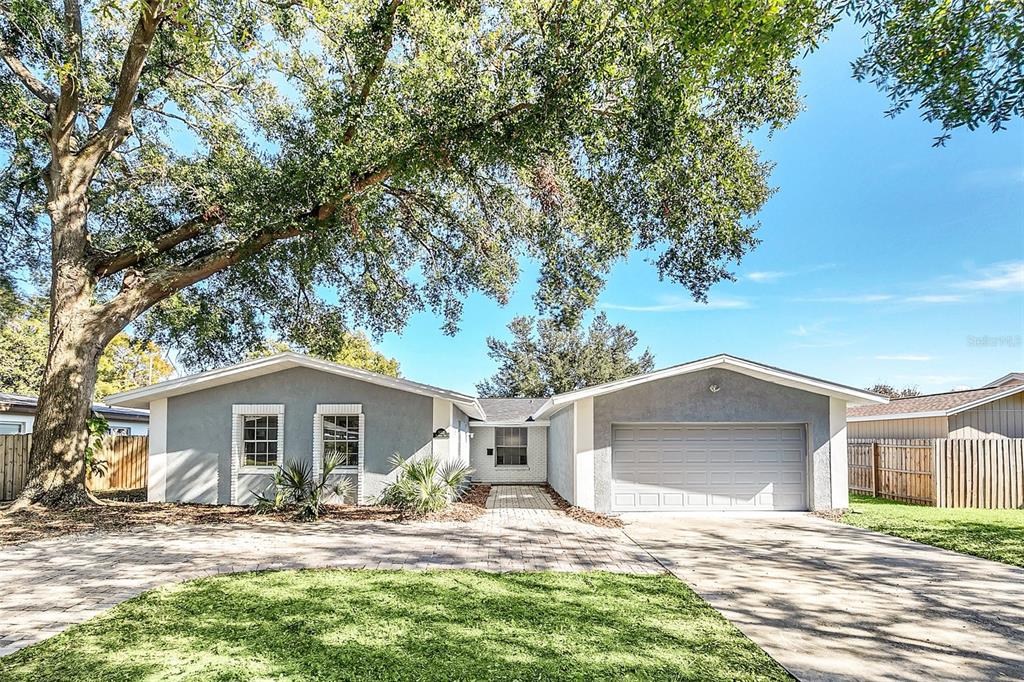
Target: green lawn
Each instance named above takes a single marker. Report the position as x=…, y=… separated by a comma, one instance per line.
x=996, y=534
x=404, y=625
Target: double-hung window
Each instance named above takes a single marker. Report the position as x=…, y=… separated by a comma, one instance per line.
x=341, y=438
x=259, y=440
x=510, y=446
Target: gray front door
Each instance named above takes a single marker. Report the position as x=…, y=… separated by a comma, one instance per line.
x=685, y=467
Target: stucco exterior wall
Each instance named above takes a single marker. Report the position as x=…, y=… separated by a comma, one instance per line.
x=560, y=452
x=485, y=470
x=740, y=398
x=998, y=419
x=199, y=430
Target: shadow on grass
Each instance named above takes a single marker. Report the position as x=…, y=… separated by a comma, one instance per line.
x=392, y=625
x=996, y=534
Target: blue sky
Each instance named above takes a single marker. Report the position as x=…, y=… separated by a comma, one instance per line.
x=882, y=258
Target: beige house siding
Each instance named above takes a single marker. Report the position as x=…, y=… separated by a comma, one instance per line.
x=999, y=419
x=923, y=427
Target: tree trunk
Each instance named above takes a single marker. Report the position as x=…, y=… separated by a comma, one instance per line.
x=77, y=337
x=60, y=433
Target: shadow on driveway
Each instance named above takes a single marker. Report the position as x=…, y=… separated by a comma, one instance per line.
x=834, y=602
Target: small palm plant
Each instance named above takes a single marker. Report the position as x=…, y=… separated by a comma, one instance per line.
x=295, y=487
x=425, y=485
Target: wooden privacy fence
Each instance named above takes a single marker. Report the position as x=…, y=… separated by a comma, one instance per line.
x=942, y=472
x=127, y=459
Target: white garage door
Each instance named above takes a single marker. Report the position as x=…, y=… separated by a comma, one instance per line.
x=693, y=468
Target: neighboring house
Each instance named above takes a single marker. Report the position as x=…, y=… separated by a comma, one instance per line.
x=718, y=433
x=18, y=414
x=995, y=411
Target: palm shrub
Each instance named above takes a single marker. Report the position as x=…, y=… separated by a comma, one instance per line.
x=425, y=485
x=295, y=487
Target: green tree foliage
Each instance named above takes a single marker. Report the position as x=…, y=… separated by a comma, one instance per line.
x=128, y=363
x=544, y=357
x=961, y=61
x=225, y=165
x=125, y=364
x=890, y=391
x=350, y=348
x=23, y=343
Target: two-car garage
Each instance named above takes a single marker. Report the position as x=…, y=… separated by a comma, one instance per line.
x=708, y=467
x=717, y=434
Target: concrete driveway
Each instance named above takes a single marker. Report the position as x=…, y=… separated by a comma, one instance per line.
x=833, y=602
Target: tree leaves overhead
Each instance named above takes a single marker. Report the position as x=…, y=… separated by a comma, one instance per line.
x=961, y=61
x=544, y=358
x=317, y=166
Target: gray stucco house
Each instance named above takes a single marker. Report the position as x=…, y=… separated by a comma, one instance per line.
x=721, y=433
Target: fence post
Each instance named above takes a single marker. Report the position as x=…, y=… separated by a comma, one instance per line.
x=876, y=465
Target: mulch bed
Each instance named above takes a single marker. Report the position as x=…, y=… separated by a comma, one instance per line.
x=580, y=514
x=470, y=506
x=120, y=513
x=830, y=514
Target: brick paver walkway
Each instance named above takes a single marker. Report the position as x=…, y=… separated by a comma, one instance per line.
x=47, y=585
x=518, y=497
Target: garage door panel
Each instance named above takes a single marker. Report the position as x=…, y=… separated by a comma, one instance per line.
x=679, y=468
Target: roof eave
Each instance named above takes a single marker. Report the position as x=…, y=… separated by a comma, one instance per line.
x=753, y=369
x=896, y=415
x=140, y=397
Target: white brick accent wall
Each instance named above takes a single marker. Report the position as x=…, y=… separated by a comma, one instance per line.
x=237, y=412
x=484, y=469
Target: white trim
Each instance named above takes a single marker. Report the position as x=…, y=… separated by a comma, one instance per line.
x=326, y=409
x=1013, y=390
x=156, y=477
x=583, y=455
x=482, y=425
x=140, y=397
x=753, y=369
x=1012, y=376
x=238, y=411
x=897, y=415
x=839, y=473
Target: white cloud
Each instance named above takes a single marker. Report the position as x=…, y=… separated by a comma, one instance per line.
x=999, y=277
x=671, y=304
x=767, y=276
x=855, y=298
x=934, y=298
x=907, y=357
x=994, y=177
x=939, y=379
x=867, y=299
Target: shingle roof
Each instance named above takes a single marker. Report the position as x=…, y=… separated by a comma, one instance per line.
x=936, y=402
x=510, y=409
x=29, y=402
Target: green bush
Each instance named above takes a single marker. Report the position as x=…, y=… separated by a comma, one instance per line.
x=295, y=487
x=425, y=485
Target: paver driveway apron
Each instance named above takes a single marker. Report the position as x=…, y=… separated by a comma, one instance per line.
x=50, y=584
x=833, y=602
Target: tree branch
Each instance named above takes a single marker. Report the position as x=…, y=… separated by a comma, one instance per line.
x=162, y=243
x=27, y=78
x=118, y=124
x=387, y=29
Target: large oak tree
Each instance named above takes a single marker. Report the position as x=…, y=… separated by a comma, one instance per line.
x=311, y=166
x=230, y=163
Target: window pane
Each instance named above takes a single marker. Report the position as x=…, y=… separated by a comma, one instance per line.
x=341, y=438
x=259, y=440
